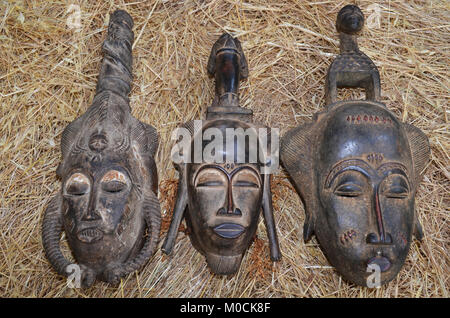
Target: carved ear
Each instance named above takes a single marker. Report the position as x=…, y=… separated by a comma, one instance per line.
x=420, y=149
x=178, y=212
x=418, y=232
x=295, y=153
x=68, y=138
x=146, y=137
x=420, y=152
x=181, y=201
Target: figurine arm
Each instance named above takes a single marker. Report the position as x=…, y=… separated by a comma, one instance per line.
x=275, y=254
x=178, y=213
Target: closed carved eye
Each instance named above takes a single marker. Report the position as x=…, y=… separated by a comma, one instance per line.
x=396, y=187
x=78, y=184
x=114, y=181
x=210, y=178
x=113, y=186
x=244, y=183
x=348, y=190
x=210, y=183
x=246, y=178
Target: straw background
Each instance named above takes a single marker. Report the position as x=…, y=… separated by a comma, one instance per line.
x=48, y=73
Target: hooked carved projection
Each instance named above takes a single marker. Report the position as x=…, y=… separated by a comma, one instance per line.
x=108, y=199
x=357, y=169
x=222, y=199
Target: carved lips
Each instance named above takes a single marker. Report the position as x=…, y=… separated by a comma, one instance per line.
x=383, y=263
x=229, y=230
x=90, y=235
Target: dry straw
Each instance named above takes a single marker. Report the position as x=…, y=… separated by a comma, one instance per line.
x=48, y=72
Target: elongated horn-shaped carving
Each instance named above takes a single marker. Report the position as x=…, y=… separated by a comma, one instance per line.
x=357, y=169
x=222, y=186
x=108, y=204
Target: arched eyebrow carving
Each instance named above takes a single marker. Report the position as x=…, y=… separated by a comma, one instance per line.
x=393, y=167
x=228, y=175
x=346, y=165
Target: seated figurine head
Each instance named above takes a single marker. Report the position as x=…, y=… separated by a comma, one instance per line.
x=109, y=182
x=350, y=19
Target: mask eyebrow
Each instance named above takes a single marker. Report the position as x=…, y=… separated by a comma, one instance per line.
x=228, y=175
x=246, y=168
x=350, y=164
x=394, y=167
x=213, y=167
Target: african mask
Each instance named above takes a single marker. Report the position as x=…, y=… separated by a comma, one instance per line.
x=108, y=205
x=221, y=197
x=357, y=169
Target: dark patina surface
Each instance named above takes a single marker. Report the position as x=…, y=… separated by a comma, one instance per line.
x=221, y=201
x=108, y=205
x=357, y=168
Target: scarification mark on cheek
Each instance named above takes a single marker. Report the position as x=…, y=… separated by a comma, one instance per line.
x=402, y=239
x=348, y=236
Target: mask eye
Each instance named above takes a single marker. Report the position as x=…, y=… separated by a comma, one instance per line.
x=246, y=178
x=77, y=184
x=113, y=186
x=348, y=190
x=396, y=187
x=210, y=178
x=114, y=181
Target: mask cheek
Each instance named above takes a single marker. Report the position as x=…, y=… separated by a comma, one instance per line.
x=206, y=203
x=347, y=222
x=248, y=201
x=112, y=211
x=398, y=220
x=74, y=209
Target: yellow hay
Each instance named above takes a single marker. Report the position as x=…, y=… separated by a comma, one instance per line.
x=48, y=71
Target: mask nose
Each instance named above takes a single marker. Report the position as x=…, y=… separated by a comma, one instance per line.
x=235, y=211
x=230, y=209
x=373, y=238
x=91, y=213
x=382, y=237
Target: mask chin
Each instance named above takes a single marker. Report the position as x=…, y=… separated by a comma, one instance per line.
x=224, y=265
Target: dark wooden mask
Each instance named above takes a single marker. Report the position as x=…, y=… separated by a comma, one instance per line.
x=222, y=197
x=108, y=200
x=357, y=169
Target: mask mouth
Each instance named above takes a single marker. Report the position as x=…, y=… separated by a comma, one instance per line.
x=90, y=235
x=382, y=262
x=229, y=230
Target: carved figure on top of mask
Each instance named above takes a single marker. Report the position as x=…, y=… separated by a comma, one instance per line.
x=108, y=199
x=358, y=171
x=221, y=194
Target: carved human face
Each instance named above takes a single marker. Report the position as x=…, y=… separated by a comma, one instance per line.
x=366, y=192
x=224, y=205
x=96, y=201
x=101, y=208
